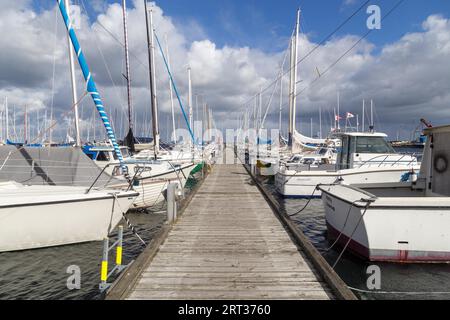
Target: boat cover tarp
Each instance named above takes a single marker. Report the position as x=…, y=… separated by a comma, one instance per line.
x=49, y=165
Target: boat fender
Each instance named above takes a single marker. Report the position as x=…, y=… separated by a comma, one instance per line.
x=413, y=176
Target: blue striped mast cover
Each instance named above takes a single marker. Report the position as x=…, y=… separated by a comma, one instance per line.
x=90, y=84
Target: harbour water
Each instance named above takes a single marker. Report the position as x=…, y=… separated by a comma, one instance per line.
x=398, y=281
x=42, y=273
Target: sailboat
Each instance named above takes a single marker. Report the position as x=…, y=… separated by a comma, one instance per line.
x=48, y=215
x=364, y=157
x=298, y=145
x=151, y=175
x=397, y=221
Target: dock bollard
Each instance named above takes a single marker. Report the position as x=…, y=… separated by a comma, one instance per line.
x=104, y=269
x=171, y=202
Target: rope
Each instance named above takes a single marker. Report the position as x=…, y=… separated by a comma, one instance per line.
x=369, y=201
x=306, y=205
x=343, y=228
x=128, y=222
x=398, y=292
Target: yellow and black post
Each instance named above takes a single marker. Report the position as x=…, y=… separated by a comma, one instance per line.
x=119, y=248
x=104, y=267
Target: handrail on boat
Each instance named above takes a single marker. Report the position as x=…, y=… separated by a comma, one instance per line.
x=130, y=181
x=386, y=157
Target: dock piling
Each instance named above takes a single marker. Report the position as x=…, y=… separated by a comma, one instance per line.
x=171, y=202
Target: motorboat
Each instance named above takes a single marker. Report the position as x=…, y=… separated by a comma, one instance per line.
x=397, y=221
x=363, y=158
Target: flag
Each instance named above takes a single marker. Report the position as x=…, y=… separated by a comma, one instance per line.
x=337, y=118
x=349, y=115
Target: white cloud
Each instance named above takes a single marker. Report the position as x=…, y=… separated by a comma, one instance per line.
x=408, y=79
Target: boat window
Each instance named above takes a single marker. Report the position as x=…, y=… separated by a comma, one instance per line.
x=125, y=153
x=323, y=151
x=117, y=171
x=373, y=145
x=102, y=156
x=348, y=147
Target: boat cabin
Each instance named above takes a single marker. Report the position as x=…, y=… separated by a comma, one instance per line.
x=104, y=153
x=434, y=174
x=368, y=149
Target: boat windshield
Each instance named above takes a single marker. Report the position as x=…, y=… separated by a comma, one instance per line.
x=103, y=156
x=373, y=145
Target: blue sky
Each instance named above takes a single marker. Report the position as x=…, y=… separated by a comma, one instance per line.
x=266, y=24
x=408, y=81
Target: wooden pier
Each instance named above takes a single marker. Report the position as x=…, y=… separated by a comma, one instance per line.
x=228, y=244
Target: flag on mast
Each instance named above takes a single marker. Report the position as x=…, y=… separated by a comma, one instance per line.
x=350, y=115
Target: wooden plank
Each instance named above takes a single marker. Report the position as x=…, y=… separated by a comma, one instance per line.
x=228, y=245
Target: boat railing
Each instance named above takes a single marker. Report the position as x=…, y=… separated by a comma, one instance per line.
x=130, y=181
x=385, y=160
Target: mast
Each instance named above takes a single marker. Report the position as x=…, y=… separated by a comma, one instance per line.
x=91, y=87
x=191, y=110
x=151, y=68
x=25, y=126
x=6, y=119
x=73, y=81
x=293, y=81
x=320, y=122
x=364, y=116
x=338, y=111
x=281, y=100
x=172, y=108
x=130, y=137
x=371, y=116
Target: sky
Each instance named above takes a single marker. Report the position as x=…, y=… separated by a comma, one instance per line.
x=235, y=49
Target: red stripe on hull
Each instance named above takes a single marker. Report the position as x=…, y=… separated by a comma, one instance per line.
x=398, y=256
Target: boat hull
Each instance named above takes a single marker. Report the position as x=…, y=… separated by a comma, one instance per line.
x=57, y=223
x=302, y=184
x=151, y=189
x=389, y=233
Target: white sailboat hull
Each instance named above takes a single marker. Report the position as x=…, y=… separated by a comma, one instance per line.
x=58, y=218
x=151, y=189
x=395, y=229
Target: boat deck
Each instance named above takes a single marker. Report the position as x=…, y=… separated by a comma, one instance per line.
x=228, y=244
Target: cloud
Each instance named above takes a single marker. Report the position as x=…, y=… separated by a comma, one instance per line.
x=407, y=79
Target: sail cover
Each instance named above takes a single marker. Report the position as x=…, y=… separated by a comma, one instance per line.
x=65, y=166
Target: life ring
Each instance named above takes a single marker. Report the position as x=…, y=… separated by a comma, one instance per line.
x=440, y=163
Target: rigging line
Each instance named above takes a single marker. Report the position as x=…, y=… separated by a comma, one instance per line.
x=54, y=123
x=175, y=88
x=345, y=53
x=54, y=70
x=316, y=47
x=143, y=64
x=350, y=49
x=104, y=60
x=275, y=88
